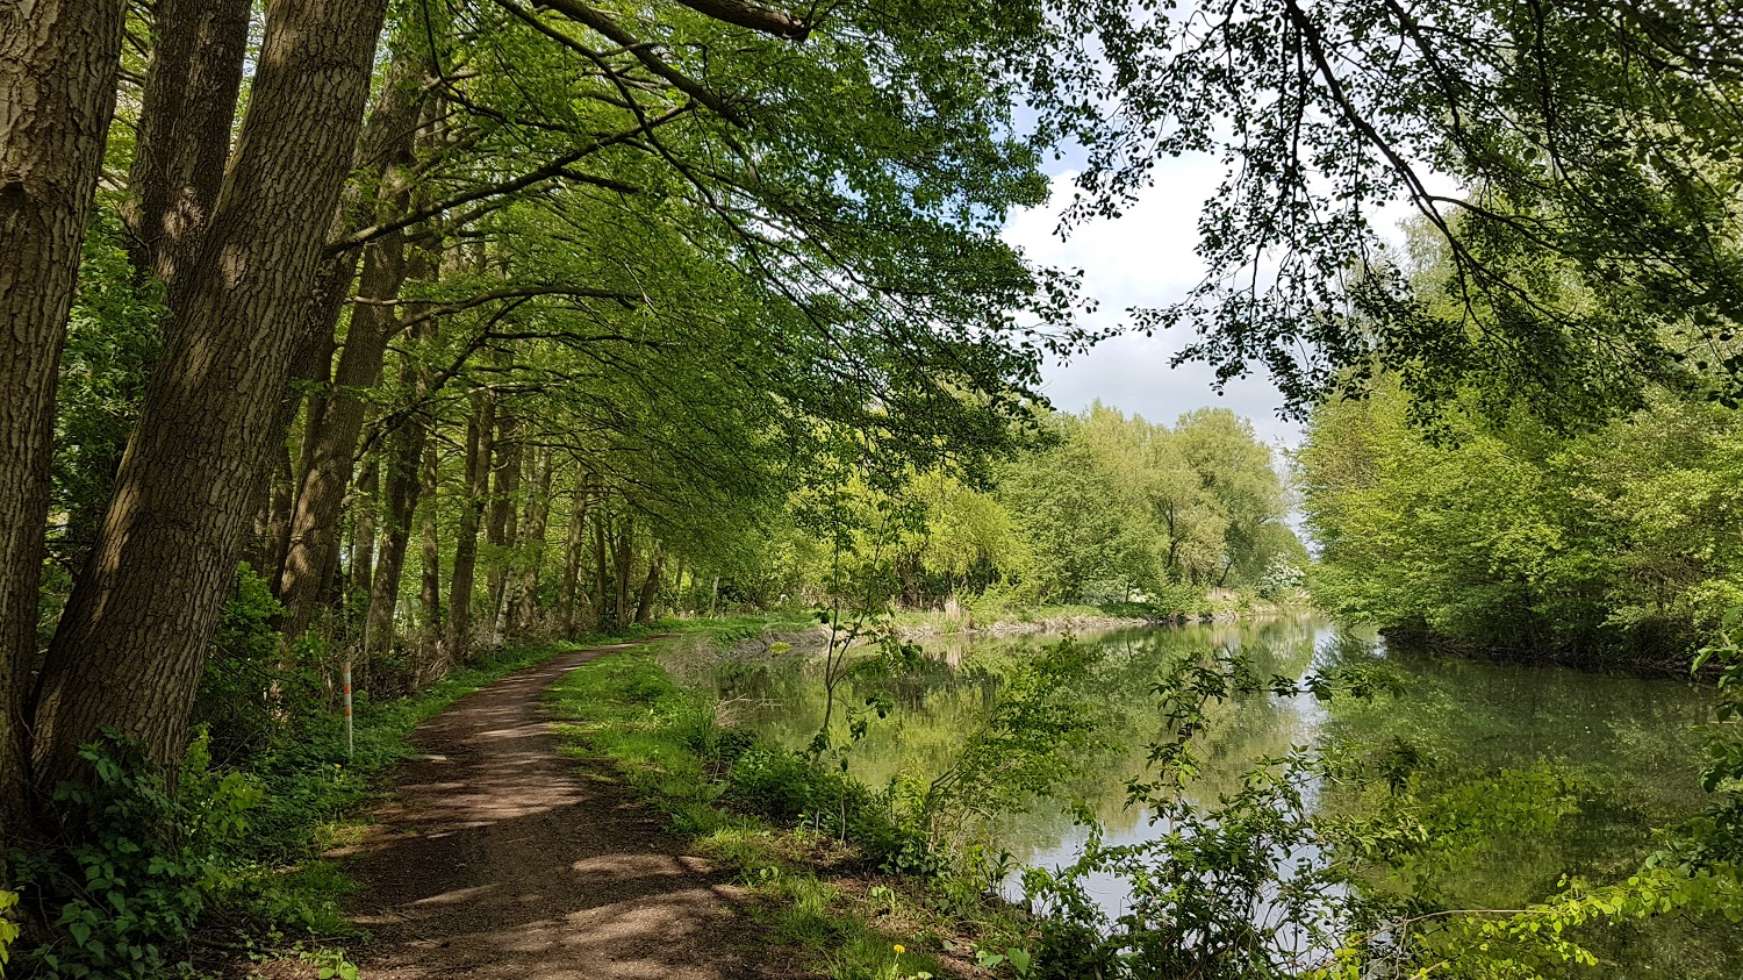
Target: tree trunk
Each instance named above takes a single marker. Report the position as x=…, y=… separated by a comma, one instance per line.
x=58, y=60
x=532, y=559
x=435, y=653
x=333, y=440
x=185, y=115
x=129, y=651
x=644, y=609
x=572, y=555
x=480, y=429
x=623, y=553
x=360, y=576
x=500, y=535
x=405, y=454
x=601, y=612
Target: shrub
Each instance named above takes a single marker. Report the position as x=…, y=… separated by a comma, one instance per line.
x=145, y=863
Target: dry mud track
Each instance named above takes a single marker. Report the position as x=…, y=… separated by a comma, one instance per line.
x=497, y=857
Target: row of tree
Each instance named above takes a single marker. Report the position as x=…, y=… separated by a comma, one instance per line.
x=1095, y=507
x=458, y=320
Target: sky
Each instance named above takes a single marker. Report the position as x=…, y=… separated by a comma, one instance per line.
x=1142, y=258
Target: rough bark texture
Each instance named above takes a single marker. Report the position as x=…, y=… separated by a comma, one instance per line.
x=58, y=60
x=185, y=115
x=387, y=152
x=134, y=636
x=480, y=428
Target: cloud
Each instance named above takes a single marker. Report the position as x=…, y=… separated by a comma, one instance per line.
x=1142, y=258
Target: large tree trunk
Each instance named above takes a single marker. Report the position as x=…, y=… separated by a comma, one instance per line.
x=185, y=115
x=134, y=637
x=387, y=147
x=574, y=550
x=58, y=60
x=480, y=430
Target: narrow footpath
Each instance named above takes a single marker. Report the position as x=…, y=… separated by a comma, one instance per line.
x=497, y=857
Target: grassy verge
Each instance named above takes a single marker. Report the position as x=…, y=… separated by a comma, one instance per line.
x=823, y=895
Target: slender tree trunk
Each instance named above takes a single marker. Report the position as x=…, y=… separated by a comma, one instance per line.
x=532, y=561
x=623, y=553
x=644, y=609
x=479, y=433
x=129, y=651
x=185, y=115
x=333, y=440
x=58, y=60
x=713, y=595
x=405, y=454
x=435, y=648
x=601, y=611
x=361, y=575
x=505, y=484
x=573, y=552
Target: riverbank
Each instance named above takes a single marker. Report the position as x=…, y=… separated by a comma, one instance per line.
x=824, y=853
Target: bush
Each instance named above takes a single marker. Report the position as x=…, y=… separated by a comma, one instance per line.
x=146, y=863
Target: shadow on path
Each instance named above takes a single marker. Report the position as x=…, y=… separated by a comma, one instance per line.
x=498, y=857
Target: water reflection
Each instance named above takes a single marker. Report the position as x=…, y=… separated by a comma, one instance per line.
x=1635, y=734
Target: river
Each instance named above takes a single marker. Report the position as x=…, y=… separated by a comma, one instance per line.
x=1599, y=759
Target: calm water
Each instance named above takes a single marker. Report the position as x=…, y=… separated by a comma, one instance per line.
x=1633, y=739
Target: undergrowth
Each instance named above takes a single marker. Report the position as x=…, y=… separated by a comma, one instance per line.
x=142, y=878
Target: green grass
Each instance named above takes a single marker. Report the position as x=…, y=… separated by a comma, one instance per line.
x=627, y=710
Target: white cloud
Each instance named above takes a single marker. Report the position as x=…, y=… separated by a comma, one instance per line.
x=1143, y=258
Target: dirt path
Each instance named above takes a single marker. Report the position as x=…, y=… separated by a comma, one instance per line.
x=497, y=857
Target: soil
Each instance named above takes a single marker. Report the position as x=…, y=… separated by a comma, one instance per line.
x=498, y=857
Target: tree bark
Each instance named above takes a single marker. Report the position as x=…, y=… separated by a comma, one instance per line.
x=480, y=429
x=333, y=441
x=601, y=611
x=58, y=62
x=644, y=609
x=532, y=559
x=574, y=551
x=186, y=111
x=360, y=574
x=623, y=555
x=500, y=534
x=434, y=649
x=129, y=651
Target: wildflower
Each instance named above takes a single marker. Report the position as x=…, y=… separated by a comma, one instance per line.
x=900, y=949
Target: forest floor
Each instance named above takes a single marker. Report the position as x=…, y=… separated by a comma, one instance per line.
x=497, y=857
